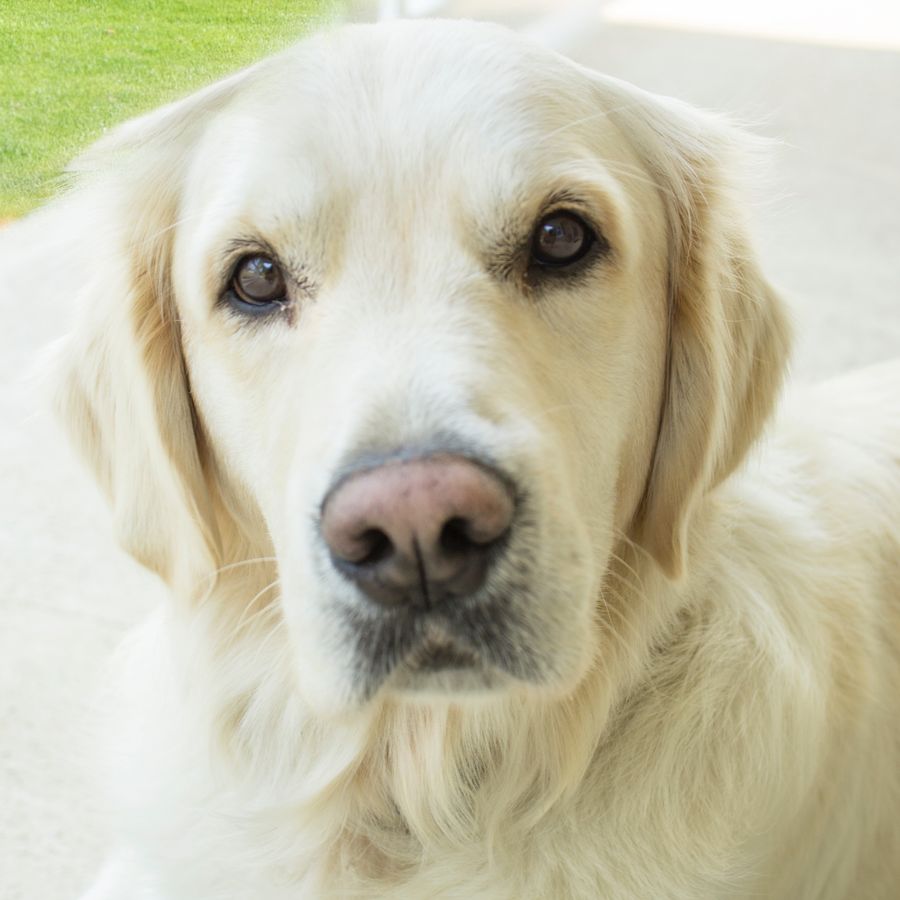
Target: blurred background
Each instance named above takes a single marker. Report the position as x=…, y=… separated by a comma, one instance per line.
x=822, y=79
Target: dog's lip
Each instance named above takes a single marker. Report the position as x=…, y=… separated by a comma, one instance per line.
x=441, y=654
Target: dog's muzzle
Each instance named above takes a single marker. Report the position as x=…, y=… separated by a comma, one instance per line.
x=435, y=545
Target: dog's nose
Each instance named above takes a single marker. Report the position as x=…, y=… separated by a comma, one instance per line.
x=418, y=532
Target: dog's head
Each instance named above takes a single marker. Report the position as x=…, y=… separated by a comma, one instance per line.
x=438, y=320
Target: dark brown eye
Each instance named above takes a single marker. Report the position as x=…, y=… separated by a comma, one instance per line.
x=258, y=280
x=560, y=238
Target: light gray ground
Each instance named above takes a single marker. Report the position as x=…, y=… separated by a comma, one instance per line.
x=830, y=239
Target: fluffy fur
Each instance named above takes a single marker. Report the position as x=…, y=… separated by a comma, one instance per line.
x=699, y=659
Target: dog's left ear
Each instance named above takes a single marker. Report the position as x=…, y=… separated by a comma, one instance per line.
x=122, y=386
x=728, y=335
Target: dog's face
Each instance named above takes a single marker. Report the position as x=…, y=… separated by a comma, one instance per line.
x=402, y=214
x=432, y=289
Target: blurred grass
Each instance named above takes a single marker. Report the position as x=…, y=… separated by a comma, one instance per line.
x=71, y=68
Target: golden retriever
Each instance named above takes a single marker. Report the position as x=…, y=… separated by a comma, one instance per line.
x=425, y=367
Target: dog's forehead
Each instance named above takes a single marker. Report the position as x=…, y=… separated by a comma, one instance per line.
x=415, y=84
x=457, y=109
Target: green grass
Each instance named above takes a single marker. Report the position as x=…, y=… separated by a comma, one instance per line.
x=71, y=68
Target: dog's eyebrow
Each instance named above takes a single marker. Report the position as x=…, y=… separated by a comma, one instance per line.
x=238, y=246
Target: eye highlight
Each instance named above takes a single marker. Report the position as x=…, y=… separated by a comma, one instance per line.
x=560, y=238
x=257, y=281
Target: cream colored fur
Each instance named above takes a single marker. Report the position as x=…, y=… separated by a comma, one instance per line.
x=714, y=705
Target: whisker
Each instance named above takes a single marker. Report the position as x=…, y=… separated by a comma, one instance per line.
x=208, y=583
x=244, y=562
x=245, y=620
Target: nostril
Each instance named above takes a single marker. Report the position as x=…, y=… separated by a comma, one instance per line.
x=454, y=539
x=459, y=536
x=370, y=548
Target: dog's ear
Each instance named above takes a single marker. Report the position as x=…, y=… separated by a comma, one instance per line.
x=728, y=337
x=123, y=389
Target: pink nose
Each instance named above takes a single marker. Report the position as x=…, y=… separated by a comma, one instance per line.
x=417, y=532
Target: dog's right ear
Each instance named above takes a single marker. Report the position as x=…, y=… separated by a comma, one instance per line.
x=123, y=389
x=728, y=332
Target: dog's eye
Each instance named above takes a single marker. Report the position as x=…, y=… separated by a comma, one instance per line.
x=560, y=239
x=257, y=280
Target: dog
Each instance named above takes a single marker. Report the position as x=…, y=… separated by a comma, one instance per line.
x=432, y=373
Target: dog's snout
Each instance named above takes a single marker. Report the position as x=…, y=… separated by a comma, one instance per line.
x=418, y=532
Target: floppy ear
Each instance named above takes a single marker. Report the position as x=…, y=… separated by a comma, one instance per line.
x=728, y=335
x=123, y=389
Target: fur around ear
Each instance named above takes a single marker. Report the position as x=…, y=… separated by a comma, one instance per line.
x=729, y=335
x=123, y=389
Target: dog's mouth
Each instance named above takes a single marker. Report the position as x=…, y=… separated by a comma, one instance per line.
x=470, y=651
x=441, y=655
